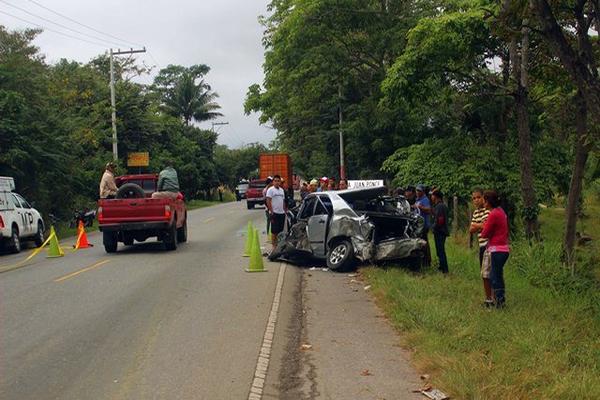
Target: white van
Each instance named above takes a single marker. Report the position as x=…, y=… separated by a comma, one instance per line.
x=18, y=220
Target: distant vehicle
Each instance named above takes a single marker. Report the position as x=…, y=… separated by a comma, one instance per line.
x=254, y=194
x=134, y=215
x=349, y=225
x=19, y=221
x=271, y=164
x=240, y=189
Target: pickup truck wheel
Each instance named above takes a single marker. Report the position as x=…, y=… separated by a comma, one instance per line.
x=170, y=238
x=182, y=232
x=39, y=236
x=249, y=205
x=110, y=241
x=15, y=242
x=340, y=255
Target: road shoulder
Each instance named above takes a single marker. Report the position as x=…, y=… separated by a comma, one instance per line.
x=346, y=348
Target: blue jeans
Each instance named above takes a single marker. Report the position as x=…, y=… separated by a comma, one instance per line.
x=497, y=276
x=440, y=249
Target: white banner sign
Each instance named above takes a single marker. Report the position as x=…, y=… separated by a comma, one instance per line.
x=365, y=184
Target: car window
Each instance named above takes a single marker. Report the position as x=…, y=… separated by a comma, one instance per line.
x=320, y=208
x=23, y=202
x=15, y=201
x=326, y=204
x=308, y=207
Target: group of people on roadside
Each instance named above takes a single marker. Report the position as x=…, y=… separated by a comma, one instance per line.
x=489, y=222
x=323, y=184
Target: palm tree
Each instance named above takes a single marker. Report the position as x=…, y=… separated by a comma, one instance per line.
x=186, y=94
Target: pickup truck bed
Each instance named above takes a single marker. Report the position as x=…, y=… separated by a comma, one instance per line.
x=139, y=218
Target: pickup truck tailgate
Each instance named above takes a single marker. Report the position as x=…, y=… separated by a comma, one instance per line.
x=133, y=210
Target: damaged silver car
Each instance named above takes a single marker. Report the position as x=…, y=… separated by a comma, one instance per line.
x=357, y=224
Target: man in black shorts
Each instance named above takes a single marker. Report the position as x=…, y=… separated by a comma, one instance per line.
x=277, y=207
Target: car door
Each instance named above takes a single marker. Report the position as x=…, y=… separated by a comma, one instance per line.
x=28, y=212
x=317, y=227
x=20, y=216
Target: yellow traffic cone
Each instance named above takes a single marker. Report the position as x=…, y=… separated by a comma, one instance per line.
x=54, y=250
x=249, y=240
x=256, y=261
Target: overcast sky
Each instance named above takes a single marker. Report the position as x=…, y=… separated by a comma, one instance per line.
x=223, y=34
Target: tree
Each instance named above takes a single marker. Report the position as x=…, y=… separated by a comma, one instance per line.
x=184, y=93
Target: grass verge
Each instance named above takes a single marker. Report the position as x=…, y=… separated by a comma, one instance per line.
x=544, y=345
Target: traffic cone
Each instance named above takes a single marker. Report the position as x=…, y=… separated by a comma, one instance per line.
x=82, y=242
x=54, y=250
x=256, y=260
x=249, y=240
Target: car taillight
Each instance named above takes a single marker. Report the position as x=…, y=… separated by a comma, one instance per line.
x=167, y=211
x=1, y=222
x=100, y=215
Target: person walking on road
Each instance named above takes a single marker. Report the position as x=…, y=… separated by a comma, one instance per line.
x=108, y=187
x=477, y=220
x=423, y=208
x=269, y=183
x=440, y=228
x=168, y=183
x=277, y=208
x=495, y=229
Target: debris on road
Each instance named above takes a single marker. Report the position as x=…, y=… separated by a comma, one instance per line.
x=352, y=275
x=435, y=394
x=366, y=372
x=425, y=377
x=367, y=287
x=306, y=347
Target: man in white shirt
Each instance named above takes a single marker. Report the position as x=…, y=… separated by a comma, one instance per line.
x=277, y=207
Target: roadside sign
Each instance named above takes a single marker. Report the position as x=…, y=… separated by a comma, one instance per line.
x=365, y=183
x=7, y=184
x=138, y=159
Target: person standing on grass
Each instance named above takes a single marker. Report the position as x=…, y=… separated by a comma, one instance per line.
x=277, y=207
x=495, y=229
x=479, y=217
x=440, y=228
x=423, y=207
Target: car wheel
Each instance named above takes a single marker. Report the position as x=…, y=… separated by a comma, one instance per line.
x=249, y=205
x=110, y=241
x=340, y=255
x=15, y=242
x=182, y=232
x=39, y=236
x=170, y=238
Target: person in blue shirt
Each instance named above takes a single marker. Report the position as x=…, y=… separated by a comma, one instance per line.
x=423, y=207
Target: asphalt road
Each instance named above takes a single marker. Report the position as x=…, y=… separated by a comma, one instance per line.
x=139, y=324
x=192, y=324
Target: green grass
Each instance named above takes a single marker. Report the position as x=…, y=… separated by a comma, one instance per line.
x=544, y=345
x=63, y=230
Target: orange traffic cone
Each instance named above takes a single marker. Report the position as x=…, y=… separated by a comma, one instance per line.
x=82, y=242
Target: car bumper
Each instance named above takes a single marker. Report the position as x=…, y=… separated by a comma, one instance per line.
x=256, y=200
x=134, y=226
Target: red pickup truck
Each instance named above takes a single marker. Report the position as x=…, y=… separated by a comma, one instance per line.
x=134, y=215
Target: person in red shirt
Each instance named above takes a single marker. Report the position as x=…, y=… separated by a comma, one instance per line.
x=495, y=229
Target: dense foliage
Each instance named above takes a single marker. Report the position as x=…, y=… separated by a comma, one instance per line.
x=454, y=94
x=55, y=125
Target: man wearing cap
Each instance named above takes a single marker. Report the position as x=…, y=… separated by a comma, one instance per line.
x=423, y=207
x=108, y=187
x=313, y=186
x=323, y=185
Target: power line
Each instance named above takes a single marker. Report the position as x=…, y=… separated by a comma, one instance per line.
x=81, y=24
x=52, y=30
x=61, y=25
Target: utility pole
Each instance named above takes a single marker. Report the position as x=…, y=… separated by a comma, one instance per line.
x=342, y=165
x=112, y=97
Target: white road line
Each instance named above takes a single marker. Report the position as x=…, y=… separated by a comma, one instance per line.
x=260, y=373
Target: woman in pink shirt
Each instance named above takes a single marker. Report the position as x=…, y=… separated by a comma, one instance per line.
x=495, y=229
